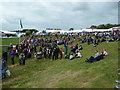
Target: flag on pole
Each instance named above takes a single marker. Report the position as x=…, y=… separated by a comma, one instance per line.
x=21, y=24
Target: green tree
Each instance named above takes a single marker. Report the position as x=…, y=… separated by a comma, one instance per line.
x=93, y=26
x=109, y=26
x=71, y=29
x=101, y=26
x=28, y=33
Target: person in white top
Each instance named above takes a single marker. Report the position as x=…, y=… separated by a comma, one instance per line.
x=78, y=54
x=105, y=52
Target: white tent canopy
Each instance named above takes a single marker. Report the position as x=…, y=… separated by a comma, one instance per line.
x=96, y=30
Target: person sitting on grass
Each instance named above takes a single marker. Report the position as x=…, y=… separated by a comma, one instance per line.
x=96, y=58
x=105, y=52
x=80, y=47
x=78, y=55
x=92, y=59
x=96, y=54
x=71, y=57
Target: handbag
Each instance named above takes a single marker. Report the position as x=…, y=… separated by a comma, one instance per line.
x=8, y=72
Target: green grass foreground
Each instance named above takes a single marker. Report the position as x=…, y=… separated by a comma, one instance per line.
x=65, y=73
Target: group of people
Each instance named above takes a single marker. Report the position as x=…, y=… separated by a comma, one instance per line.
x=97, y=56
x=49, y=48
x=99, y=37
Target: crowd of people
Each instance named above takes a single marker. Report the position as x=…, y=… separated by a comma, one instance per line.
x=50, y=48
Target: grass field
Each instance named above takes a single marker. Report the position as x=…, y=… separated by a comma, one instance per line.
x=67, y=74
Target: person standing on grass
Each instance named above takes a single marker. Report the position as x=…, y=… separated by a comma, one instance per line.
x=10, y=47
x=4, y=68
x=49, y=52
x=45, y=52
x=61, y=53
x=12, y=55
x=22, y=59
x=57, y=52
x=40, y=49
x=5, y=55
x=25, y=52
x=66, y=49
x=54, y=52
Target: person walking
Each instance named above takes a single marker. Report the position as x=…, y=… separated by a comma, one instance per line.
x=12, y=55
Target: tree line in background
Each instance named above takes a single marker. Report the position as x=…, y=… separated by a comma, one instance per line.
x=101, y=26
x=104, y=26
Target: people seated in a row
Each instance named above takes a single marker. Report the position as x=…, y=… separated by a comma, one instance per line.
x=97, y=56
x=71, y=56
x=75, y=47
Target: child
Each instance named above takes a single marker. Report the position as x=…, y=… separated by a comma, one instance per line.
x=35, y=55
x=22, y=59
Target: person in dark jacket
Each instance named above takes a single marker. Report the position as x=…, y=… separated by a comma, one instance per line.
x=57, y=52
x=54, y=53
x=66, y=48
x=4, y=67
x=12, y=55
x=45, y=52
x=5, y=55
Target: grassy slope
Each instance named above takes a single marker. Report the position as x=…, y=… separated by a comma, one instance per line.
x=67, y=74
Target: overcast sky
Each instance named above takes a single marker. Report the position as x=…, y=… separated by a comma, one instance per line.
x=64, y=15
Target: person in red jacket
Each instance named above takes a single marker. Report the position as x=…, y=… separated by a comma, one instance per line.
x=61, y=52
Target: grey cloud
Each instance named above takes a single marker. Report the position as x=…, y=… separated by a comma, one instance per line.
x=58, y=14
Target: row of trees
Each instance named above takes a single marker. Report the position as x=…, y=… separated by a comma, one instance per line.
x=105, y=26
x=101, y=26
